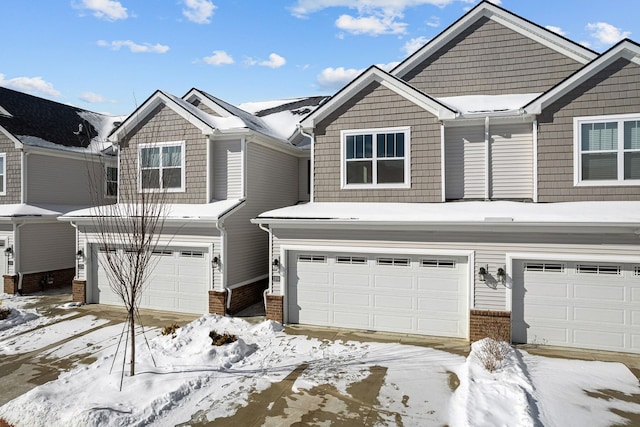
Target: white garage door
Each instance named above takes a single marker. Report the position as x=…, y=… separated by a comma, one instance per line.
x=395, y=293
x=179, y=281
x=577, y=304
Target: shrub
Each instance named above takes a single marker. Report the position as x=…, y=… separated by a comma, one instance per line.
x=4, y=313
x=492, y=353
x=170, y=330
x=221, y=339
x=4, y=423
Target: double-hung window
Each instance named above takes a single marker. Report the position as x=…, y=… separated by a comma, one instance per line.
x=162, y=166
x=376, y=158
x=607, y=150
x=111, y=178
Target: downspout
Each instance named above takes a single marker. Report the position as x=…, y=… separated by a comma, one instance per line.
x=535, y=161
x=243, y=173
x=16, y=254
x=77, y=246
x=269, y=289
x=23, y=176
x=487, y=158
x=312, y=158
x=443, y=188
x=222, y=259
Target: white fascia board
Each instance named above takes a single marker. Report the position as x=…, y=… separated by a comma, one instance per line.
x=67, y=154
x=147, y=108
x=514, y=22
x=277, y=145
x=17, y=143
x=195, y=93
x=624, y=50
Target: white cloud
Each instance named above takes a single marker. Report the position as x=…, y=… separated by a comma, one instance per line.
x=198, y=11
x=92, y=98
x=105, y=9
x=303, y=8
x=219, y=57
x=433, y=22
x=606, y=33
x=275, y=61
x=335, y=78
x=32, y=85
x=371, y=25
x=556, y=30
x=134, y=47
x=414, y=44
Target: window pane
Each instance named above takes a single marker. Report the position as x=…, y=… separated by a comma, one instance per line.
x=391, y=142
x=368, y=146
x=399, y=144
x=112, y=188
x=1, y=165
x=632, y=165
x=599, y=166
x=171, y=156
x=112, y=174
x=381, y=145
x=390, y=171
x=171, y=178
x=599, y=136
x=632, y=135
x=150, y=178
x=150, y=157
x=351, y=147
x=359, y=147
x=2, y=183
x=359, y=172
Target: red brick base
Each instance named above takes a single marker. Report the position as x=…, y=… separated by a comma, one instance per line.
x=41, y=281
x=10, y=284
x=246, y=296
x=275, y=310
x=79, y=291
x=217, y=302
x=492, y=324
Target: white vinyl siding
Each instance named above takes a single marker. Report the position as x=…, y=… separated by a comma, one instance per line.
x=465, y=162
x=3, y=174
x=227, y=169
x=511, y=154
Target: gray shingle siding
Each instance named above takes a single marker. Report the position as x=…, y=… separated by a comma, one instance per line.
x=379, y=107
x=488, y=58
x=165, y=125
x=13, y=178
x=615, y=90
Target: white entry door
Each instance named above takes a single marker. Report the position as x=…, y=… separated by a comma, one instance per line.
x=179, y=281
x=577, y=304
x=416, y=294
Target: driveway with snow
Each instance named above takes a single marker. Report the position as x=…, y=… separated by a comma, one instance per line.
x=270, y=377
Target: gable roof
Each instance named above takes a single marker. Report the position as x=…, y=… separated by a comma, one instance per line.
x=626, y=49
x=29, y=120
x=489, y=10
x=371, y=75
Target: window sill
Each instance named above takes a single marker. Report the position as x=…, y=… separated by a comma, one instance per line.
x=612, y=183
x=374, y=186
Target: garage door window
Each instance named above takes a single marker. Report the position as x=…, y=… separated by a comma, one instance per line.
x=395, y=262
x=312, y=258
x=192, y=254
x=341, y=259
x=599, y=269
x=162, y=252
x=636, y=271
x=438, y=263
x=544, y=267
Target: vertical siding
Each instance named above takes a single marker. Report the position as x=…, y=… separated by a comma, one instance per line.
x=13, y=171
x=615, y=90
x=465, y=162
x=227, y=169
x=379, y=107
x=272, y=177
x=488, y=58
x=165, y=125
x=490, y=249
x=511, y=161
x=47, y=246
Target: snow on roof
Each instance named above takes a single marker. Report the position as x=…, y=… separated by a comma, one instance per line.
x=488, y=104
x=20, y=210
x=499, y=212
x=204, y=212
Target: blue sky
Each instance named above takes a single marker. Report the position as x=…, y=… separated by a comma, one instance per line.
x=110, y=55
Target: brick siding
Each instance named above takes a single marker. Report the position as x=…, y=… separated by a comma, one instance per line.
x=489, y=323
x=217, y=302
x=41, y=281
x=79, y=291
x=10, y=284
x=247, y=295
x=275, y=310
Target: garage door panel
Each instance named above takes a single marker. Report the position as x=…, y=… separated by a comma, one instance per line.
x=635, y=318
x=379, y=292
x=595, y=292
x=599, y=315
x=635, y=295
x=548, y=334
x=547, y=312
x=547, y=290
x=598, y=339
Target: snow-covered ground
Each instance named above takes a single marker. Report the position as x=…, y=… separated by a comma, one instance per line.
x=184, y=378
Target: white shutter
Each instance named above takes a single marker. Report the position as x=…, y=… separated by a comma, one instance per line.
x=511, y=161
x=465, y=162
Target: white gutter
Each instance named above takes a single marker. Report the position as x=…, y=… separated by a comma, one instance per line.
x=243, y=173
x=487, y=158
x=16, y=254
x=269, y=289
x=77, y=247
x=443, y=189
x=311, y=136
x=23, y=176
x=209, y=165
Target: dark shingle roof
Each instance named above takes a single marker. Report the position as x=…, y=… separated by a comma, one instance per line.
x=50, y=121
x=299, y=107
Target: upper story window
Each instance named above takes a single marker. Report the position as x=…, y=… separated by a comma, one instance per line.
x=376, y=158
x=607, y=150
x=3, y=174
x=111, y=178
x=162, y=166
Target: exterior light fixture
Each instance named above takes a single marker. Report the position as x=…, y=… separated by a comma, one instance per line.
x=80, y=255
x=275, y=265
x=9, y=251
x=482, y=274
x=216, y=261
x=501, y=275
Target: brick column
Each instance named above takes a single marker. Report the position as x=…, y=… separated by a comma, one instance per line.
x=489, y=323
x=10, y=284
x=217, y=302
x=275, y=310
x=79, y=291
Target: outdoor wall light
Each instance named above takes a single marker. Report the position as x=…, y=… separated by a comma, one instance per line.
x=482, y=274
x=275, y=265
x=80, y=255
x=501, y=275
x=9, y=251
x=216, y=261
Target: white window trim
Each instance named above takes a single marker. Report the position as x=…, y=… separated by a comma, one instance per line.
x=3, y=171
x=182, y=166
x=407, y=157
x=577, y=150
x=106, y=182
